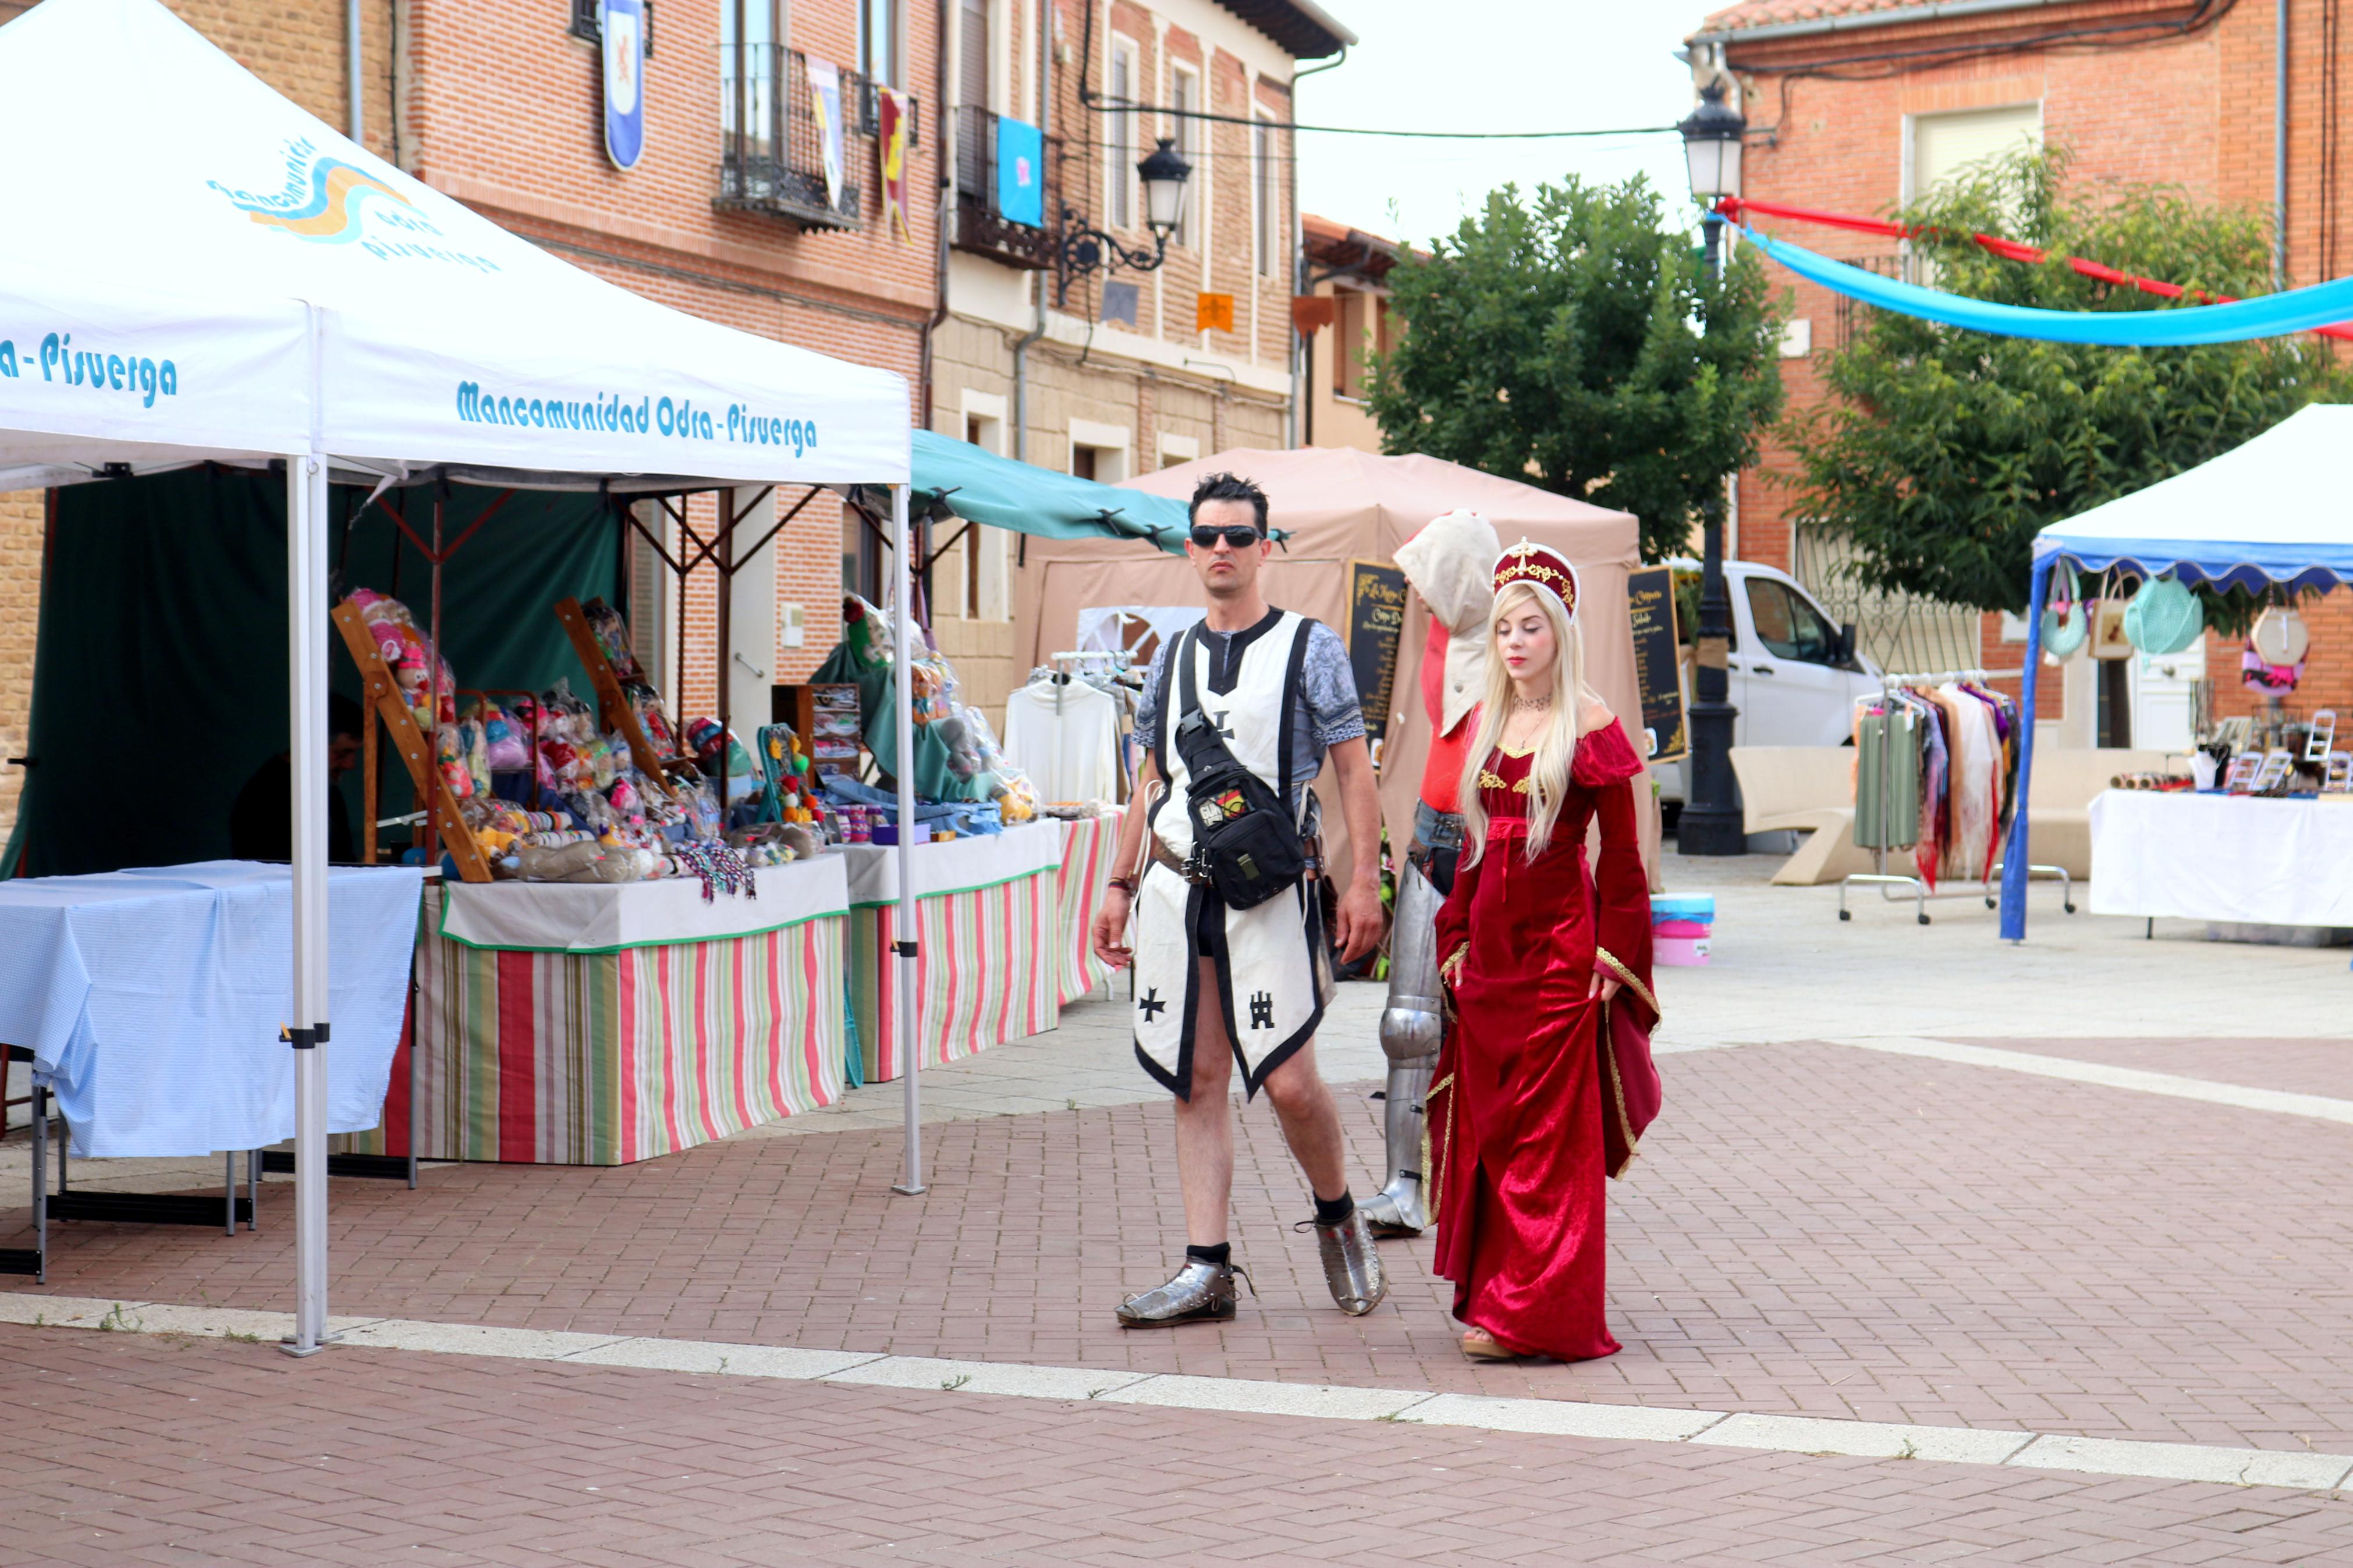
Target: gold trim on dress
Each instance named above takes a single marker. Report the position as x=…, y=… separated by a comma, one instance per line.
x=1493, y=781
x=1436, y=1174
x=1452, y=970
x=1617, y=1093
x=1628, y=978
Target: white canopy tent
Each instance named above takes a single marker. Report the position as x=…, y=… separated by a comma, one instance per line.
x=324, y=310
x=2268, y=513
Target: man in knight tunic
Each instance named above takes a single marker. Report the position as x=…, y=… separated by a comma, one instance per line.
x=1451, y=564
x=1229, y=982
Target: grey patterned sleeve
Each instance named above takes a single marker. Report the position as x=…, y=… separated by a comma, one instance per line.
x=1147, y=703
x=1329, y=686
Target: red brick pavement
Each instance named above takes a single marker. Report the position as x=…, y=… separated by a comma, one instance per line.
x=132, y=1449
x=1813, y=1230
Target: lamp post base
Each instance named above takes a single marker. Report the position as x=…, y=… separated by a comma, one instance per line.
x=1712, y=822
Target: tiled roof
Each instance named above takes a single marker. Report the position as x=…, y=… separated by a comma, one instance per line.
x=1769, y=13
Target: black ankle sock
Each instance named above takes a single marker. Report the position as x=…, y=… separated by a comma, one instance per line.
x=1221, y=1255
x=1330, y=1211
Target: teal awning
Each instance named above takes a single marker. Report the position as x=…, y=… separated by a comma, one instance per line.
x=982, y=487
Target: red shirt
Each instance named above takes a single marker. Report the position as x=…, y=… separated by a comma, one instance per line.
x=1442, y=775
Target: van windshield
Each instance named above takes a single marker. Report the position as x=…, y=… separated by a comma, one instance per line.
x=1789, y=625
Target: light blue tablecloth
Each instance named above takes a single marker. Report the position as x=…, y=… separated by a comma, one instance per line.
x=151, y=1000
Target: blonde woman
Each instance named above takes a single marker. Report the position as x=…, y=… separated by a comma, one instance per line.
x=1534, y=952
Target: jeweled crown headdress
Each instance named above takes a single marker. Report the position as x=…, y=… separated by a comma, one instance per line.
x=1545, y=568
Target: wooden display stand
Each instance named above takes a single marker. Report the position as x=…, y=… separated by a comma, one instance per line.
x=384, y=697
x=613, y=709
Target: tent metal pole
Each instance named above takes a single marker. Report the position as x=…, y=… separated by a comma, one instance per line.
x=906, y=1040
x=307, y=631
x=2014, y=869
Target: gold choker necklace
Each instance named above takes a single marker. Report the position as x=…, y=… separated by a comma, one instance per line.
x=1531, y=704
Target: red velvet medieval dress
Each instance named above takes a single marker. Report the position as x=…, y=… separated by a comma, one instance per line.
x=1520, y=1143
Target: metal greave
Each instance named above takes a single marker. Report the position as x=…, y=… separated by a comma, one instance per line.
x=1412, y=1024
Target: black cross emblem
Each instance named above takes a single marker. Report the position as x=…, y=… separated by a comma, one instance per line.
x=1152, y=1003
x=1217, y=722
x=1262, y=1010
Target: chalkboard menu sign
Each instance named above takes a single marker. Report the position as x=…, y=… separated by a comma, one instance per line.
x=1375, y=618
x=1658, y=655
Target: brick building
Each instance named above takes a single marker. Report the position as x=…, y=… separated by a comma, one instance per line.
x=1854, y=106
x=1109, y=373
x=726, y=216
x=1350, y=269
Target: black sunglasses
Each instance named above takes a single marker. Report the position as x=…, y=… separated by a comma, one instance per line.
x=1236, y=538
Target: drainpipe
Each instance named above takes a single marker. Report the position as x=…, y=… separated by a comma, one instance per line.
x=1021, y=344
x=2279, y=148
x=944, y=132
x=1303, y=348
x=352, y=59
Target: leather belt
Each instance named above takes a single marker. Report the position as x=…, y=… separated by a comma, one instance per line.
x=1198, y=875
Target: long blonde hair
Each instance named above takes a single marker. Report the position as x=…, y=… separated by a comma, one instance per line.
x=1555, y=748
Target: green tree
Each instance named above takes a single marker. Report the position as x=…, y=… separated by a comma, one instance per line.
x=1573, y=341
x=1942, y=452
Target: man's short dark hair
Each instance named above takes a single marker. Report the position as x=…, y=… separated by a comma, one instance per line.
x=1228, y=486
x=345, y=717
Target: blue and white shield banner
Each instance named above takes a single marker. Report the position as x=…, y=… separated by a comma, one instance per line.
x=622, y=26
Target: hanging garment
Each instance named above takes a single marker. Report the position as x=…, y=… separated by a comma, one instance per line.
x=1065, y=736
x=1972, y=785
x=1935, y=801
x=1887, y=779
x=1271, y=963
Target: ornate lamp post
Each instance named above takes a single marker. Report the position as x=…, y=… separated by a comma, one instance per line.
x=1086, y=248
x=1711, y=823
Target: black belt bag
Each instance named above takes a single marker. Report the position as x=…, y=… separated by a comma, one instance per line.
x=1244, y=837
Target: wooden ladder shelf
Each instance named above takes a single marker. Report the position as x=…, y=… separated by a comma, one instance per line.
x=384, y=699
x=613, y=709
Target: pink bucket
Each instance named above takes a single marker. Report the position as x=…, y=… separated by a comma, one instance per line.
x=1679, y=952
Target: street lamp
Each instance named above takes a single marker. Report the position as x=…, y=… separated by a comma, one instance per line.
x=1711, y=821
x=1086, y=248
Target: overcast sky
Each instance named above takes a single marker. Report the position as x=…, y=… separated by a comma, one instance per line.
x=1490, y=65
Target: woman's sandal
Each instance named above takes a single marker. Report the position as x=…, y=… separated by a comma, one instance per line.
x=1481, y=1346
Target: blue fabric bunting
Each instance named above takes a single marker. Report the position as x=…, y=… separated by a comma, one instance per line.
x=2271, y=316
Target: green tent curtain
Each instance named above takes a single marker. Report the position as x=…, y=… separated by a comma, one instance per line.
x=159, y=680
x=982, y=487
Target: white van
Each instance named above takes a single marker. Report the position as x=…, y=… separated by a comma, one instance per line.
x=1793, y=671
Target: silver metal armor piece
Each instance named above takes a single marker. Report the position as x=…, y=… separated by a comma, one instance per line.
x=1411, y=1026
x=1200, y=1293
x=1352, y=1268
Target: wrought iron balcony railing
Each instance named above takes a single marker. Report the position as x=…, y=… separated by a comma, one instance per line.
x=981, y=227
x=772, y=157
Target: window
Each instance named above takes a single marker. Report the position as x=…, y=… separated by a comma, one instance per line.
x=972, y=54
x=1082, y=461
x=1944, y=146
x=1267, y=181
x=880, y=43
x=1185, y=98
x=750, y=67
x=1119, y=126
x=1789, y=625
x=1360, y=329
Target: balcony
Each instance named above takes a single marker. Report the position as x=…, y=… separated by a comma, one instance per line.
x=772, y=157
x=980, y=228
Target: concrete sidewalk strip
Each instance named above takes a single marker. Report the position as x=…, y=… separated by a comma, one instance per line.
x=1565, y=1418
x=1251, y=1396
x=704, y=1358
x=1557, y=1418
x=988, y=1377
x=2186, y=1462
x=476, y=1339
x=1869, y=1439
x=2319, y=1106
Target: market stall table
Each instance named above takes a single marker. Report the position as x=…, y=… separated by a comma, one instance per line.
x=988, y=964
x=2208, y=856
x=1079, y=884
x=152, y=1002
x=600, y=1025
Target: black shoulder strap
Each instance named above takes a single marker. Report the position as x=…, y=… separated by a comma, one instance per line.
x=1188, y=689
x=1293, y=712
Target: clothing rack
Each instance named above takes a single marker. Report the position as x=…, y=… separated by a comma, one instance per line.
x=1879, y=876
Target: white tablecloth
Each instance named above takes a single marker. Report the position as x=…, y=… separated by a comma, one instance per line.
x=958, y=865
x=151, y=1000
x=2222, y=857
x=568, y=917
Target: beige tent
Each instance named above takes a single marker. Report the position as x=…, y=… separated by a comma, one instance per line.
x=1340, y=505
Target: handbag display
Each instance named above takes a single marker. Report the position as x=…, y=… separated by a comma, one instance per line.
x=1243, y=834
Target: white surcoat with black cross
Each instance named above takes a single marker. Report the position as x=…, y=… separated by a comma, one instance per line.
x=1273, y=968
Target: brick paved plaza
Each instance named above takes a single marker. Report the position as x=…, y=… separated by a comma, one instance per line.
x=2037, y=1232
